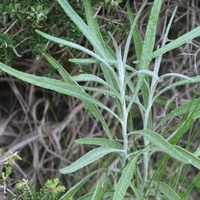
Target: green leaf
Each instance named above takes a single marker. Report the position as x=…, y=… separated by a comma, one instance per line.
x=167, y=190
x=83, y=27
x=142, y=71
x=197, y=152
x=158, y=59
x=196, y=182
x=150, y=35
x=56, y=85
x=137, y=193
x=65, y=75
x=176, y=75
x=89, y=158
x=91, y=77
x=100, y=190
x=63, y=88
x=102, y=91
x=102, y=60
x=70, y=193
x=187, y=37
x=106, y=51
x=176, y=152
x=136, y=35
x=108, y=195
x=125, y=179
x=182, y=128
x=190, y=188
x=193, y=160
x=94, y=27
x=147, y=49
x=186, y=108
x=190, y=80
x=164, y=101
x=83, y=61
x=133, y=33
x=100, y=142
x=92, y=33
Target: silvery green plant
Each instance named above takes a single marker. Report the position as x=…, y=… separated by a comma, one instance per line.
x=119, y=85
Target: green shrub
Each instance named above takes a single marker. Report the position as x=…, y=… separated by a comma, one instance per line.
x=26, y=189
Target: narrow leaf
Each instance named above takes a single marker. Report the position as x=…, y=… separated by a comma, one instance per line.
x=102, y=91
x=63, y=88
x=106, y=50
x=150, y=35
x=88, y=158
x=70, y=193
x=161, y=100
x=181, y=110
x=190, y=80
x=108, y=195
x=147, y=49
x=105, y=66
x=92, y=33
x=174, y=151
x=137, y=192
x=100, y=190
x=167, y=190
x=125, y=179
x=187, y=37
x=65, y=75
x=197, y=152
x=91, y=77
x=136, y=35
x=56, y=85
x=94, y=27
x=193, y=160
x=100, y=142
x=84, y=61
x=83, y=27
x=182, y=128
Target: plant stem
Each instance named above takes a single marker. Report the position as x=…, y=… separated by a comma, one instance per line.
x=146, y=120
x=122, y=90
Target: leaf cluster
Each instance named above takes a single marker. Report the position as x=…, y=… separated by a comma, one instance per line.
x=25, y=189
x=128, y=86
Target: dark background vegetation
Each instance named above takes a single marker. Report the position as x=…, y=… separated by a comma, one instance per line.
x=42, y=125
